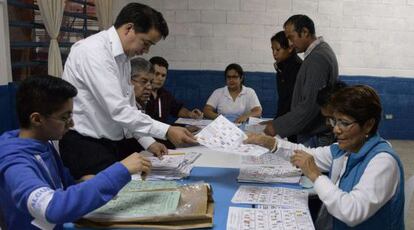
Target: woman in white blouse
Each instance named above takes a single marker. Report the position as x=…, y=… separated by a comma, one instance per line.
x=365, y=186
x=234, y=101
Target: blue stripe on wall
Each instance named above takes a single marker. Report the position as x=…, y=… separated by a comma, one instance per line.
x=193, y=87
x=8, y=118
x=397, y=95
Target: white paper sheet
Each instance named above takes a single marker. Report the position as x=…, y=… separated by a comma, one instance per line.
x=195, y=122
x=224, y=136
x=283, y=197
x=269, y=174
x=174, y=166
x=264, y=219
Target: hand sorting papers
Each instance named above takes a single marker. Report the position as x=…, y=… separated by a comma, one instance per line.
x=171, y=167
x=224, y=136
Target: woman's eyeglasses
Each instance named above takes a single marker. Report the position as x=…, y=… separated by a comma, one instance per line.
x=340, y=123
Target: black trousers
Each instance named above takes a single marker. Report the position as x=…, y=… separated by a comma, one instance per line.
x=84, y=155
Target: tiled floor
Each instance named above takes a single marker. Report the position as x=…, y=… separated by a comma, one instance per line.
x=406, y=151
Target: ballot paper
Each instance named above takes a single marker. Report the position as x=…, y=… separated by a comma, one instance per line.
x=137, y=204
x=283, y=197
x=267, y=159
x=139, y=186
x=268, y=168
x=195, y=122
x=224, y=136
x=254, y=126
x=176, y=165
x=268, y=174
x=264, y=219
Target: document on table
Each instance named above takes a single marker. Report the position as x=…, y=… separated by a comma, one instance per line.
x=176, y=165
x=137, y=204
x=224, y=136
x=263, y=219
x=194, y=122
x=283, y=197
x=254, y=125
x=137, y=186
x=269, y=174
x=268, y=159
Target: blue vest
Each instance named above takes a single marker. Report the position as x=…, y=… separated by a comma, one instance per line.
x=389, y=216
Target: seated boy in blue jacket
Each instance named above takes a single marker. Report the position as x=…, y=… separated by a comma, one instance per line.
x=36, y=190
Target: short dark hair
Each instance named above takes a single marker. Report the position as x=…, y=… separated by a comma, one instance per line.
x=361, y=102
x=280, y=37
x=326, y=92
x=42, y=94
x=143, y=17
x=237, y=68
x=300, y=21
x=157, y=60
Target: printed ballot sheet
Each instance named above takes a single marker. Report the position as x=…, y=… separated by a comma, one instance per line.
x=174, y=166
x=224, y=136
x=268, y=174
x=264, y=219
x=137, y=204
x=268, y=168
x=137, y=186
x=283, y=197
x=194, y=122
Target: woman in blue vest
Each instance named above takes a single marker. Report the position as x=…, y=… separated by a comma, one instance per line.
x=365, y=186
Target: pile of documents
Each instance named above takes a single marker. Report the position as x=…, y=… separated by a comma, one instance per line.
x=161, y=205
x=175, y=166
x=268, y=168
x=201, y=123
x=224, y=136
x=275, y=208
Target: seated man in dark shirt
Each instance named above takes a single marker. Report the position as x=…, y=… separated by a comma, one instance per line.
x=162, y=103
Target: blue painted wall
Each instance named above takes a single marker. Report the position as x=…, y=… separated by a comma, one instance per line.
x=397, y=95
x=194, y=88
x=8, y=118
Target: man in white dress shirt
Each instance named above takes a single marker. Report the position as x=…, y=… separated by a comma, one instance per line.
x=104, y=110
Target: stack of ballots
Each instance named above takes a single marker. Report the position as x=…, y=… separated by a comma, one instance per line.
x=268, y=168
x=173, y=166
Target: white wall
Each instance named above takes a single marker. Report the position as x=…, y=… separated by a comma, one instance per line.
x=369, y=37
x=5, y=66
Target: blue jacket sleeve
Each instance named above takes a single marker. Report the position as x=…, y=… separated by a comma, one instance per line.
x=77, y=200
x=22, y=178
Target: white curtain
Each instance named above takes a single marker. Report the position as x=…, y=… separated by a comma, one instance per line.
x=52, y=14
x=104, y=13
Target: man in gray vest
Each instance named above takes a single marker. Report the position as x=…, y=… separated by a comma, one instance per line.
x=319, y=68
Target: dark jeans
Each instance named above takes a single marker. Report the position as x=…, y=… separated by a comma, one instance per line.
x=84, y=155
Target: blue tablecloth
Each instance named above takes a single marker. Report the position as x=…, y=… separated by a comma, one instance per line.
x=224, y=184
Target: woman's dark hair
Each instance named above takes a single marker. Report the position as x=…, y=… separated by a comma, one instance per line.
x=237, y=68
x=42, y=94
x=280, y=37
x=300, y=21
x=143, y=17
x=325, y=93
x=360, y=102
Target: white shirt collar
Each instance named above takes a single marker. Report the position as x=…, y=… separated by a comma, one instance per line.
x=227, y=92
x=312, y=46
x=115, y=41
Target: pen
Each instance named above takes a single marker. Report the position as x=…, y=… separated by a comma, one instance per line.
x=176, y=153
